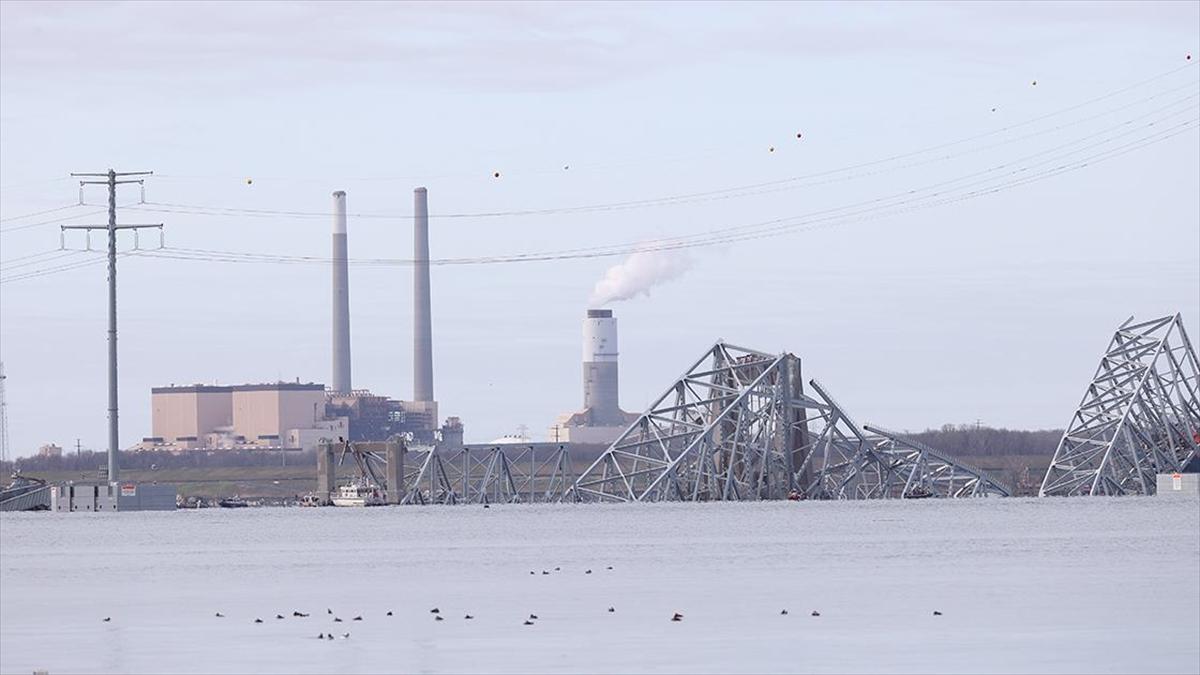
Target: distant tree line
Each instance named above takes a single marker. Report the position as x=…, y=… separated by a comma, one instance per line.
x=970, y=440
x=90, y=461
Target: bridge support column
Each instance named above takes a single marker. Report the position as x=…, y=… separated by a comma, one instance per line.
x=326, y=476
x=395, y=471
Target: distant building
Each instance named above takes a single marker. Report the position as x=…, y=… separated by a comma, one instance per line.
x=49, y=450
x=377, y=418
x=280, y=415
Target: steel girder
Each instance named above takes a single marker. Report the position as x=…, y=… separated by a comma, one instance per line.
x=497, y=474
x=929, y=472
x=738, y=426
x=1140, y=415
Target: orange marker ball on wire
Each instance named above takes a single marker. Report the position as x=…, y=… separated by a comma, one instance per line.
x=496, y=174
x=249, y=181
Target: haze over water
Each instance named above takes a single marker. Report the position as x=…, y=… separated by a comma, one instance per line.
x=1053, y=585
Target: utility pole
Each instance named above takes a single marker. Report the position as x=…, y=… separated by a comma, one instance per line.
x=111, y=180
x=3, y=417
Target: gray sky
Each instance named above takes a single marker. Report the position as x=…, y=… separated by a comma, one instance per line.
x=992, y=307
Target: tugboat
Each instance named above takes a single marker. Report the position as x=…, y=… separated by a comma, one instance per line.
x=358, y=494
x=919, y=492
x=233, y=502
x=310, y=500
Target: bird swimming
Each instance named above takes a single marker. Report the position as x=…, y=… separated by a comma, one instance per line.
x=358, y=618
x=107, y=619
x=783, y=613
x=346, y=635
x=220, y=615
x=533, y=616
x=258, y=621
x=816, y=613
x=278, y=616
x=300, y=614
x=528, y=623
x=438, y=617
x=389, y=612
x=936, y=613
x=611, y=610
x=435, y=610
x=337, y=620
x=677, y=617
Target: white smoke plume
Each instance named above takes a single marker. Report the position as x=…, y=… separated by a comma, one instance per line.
x=638, y=274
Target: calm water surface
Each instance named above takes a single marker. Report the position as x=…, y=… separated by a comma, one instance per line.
x=1055, y=585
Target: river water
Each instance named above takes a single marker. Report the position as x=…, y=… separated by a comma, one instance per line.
x=1052, y=585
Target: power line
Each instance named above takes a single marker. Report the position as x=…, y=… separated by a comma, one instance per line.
x=794, y=182
x=38, y=213
x=52, y=221
x=870, y=210
x=720, y=235
x=558, y=169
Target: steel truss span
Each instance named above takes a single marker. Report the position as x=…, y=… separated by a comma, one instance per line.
x=739, y=426
x=1140, y=415
x=499, y=475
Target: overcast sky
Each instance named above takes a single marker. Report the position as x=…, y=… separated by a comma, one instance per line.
x=994, y=306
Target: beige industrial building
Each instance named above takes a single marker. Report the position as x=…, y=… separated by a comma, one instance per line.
x=288, y=415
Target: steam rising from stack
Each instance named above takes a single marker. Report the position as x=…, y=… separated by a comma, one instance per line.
x=638, y=274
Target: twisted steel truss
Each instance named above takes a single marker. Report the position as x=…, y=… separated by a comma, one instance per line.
x=738, y=426
x=1140, y=415
x=481, y=475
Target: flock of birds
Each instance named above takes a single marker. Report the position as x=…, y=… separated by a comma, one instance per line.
x=437, y=614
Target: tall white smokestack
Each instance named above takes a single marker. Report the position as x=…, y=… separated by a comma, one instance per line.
x=422, y=320
x=341, y=298
x=600, y=368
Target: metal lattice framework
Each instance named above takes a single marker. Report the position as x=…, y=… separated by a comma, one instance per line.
x=482, y=475
x=1140, y=415
x=738, y=426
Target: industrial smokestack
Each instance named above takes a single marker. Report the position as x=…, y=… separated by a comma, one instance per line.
x=341, y=298
x=600, y=368
x=422, y=321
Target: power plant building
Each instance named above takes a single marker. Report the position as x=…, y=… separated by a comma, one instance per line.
x=298, y=416
x=601, y=421
x=289, y=415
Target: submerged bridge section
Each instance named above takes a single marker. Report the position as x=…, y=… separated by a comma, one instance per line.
x=738, y=425
x=25, y=494
x=1140, y=415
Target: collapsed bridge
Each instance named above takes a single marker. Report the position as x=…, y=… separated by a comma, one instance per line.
x=738, y=426
x=1139, y=417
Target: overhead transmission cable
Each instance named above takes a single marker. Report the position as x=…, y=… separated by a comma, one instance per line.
x=186, y=208
x=774, y=227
